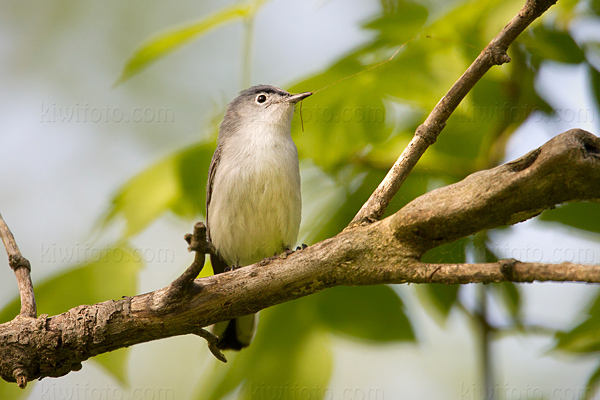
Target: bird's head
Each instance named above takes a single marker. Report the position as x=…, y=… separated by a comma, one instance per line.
x=262, y=105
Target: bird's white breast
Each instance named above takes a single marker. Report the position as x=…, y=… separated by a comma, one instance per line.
x=255, y=208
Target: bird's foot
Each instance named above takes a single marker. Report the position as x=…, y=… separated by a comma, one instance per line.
x=230, y=268
x=288, y=251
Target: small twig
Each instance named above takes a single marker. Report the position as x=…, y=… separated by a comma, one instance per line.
x=22, y=268
x=212, y=340
x=196, y=242
x=485, y=349
x=496, y=272
x=427, y=133
x=433, y=273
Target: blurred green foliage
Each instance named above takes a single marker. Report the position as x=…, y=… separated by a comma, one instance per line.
x=289, y=352
x=354, y=131
x=293, y=344
x=168, y=42
x=170, y=185
x=581, y=215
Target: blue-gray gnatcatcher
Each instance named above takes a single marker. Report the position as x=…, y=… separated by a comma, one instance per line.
x=253, y=203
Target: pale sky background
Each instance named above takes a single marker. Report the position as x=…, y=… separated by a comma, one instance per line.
x=58, y=178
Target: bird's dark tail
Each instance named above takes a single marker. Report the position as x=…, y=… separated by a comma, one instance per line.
x=218, y=264
x=236, y=333
x=228, y=340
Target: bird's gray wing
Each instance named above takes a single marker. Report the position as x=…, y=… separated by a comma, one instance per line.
x=214, y=163
x=218, y=264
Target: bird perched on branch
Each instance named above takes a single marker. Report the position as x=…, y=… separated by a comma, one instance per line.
x=253, y=202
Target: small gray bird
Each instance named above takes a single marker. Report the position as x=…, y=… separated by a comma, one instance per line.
x=253, y=202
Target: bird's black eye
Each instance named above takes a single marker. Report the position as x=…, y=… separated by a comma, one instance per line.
x=261, y=98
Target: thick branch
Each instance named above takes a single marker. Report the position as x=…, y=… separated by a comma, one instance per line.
x=427, y=133
x=566, y=168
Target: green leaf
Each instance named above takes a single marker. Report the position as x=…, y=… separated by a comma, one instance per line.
x=580, y=215
x=340, y=123
x=584, y=337
x=353, y=121
x=592, y=383
x=111, y=273
x=595, y=80
x=167, y=42
x=207, y=270
x=595, y=6
x=10, y=390
x=509, y=296
x=355, y=185
x=595, y=308
x=443, y=297
x=288, y=354
x=115, y=363
x=356, y=188
x=177, y=183
x=373, y=313
x=548, y=43
x=454, y=252
x=400, y=22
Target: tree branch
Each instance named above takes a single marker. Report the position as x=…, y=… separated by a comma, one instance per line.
x=506, y=271
x=564, y=169
x=22, y=268
x=567, y=168
x=427, y=133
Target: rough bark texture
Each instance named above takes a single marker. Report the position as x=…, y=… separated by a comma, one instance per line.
x=567, y=168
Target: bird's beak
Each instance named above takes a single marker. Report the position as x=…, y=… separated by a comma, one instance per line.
x=295, y=98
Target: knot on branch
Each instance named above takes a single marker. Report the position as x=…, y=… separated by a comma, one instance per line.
x=497, y=55
x=197, y=240
x=534, y=8
x=429, y=132
x=524, y=162
x=17, y=261
x=591, y=146
x=507, y=268
x=20, y=375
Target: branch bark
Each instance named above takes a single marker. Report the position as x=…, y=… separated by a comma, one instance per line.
x=427, y=133
x=567, y=168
